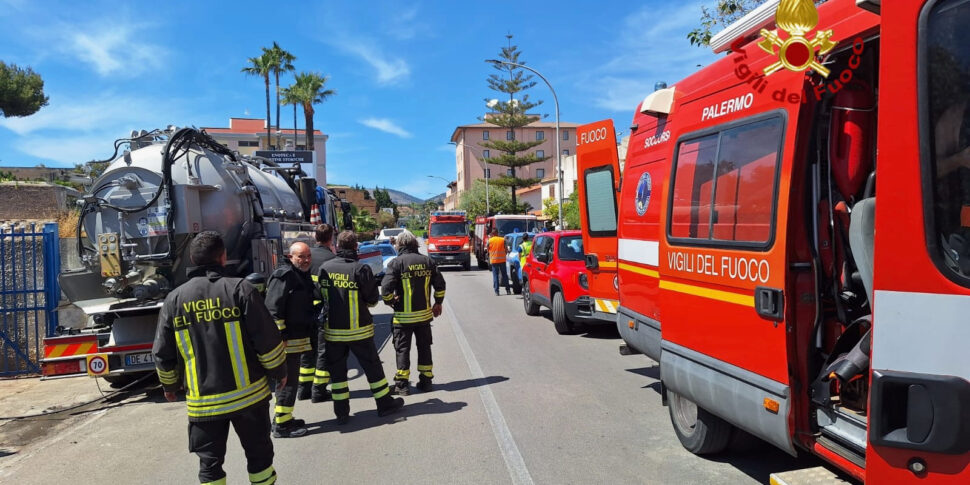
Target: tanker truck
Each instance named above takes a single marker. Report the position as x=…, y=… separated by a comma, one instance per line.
x=134, y=232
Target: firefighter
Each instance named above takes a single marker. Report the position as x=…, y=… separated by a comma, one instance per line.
x=314, y=376
x=350, y=289
x=220, y=329
x=289, y=298
x=496, y=257
x=407, y=288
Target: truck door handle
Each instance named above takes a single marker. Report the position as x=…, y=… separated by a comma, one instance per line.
x=770, y=303
x=592, y=261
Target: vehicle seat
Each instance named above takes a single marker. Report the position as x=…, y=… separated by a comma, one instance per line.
x=862, y=228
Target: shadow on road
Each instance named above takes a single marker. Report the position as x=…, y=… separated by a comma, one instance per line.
x=763, y=460
x=469, y=383
x=597, y=331
x=652, y=372
x=369, y=419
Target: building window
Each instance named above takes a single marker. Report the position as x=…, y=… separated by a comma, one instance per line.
x=540, y=135
x=485, y=135
x=540, y=172
x=248, y=143
x=508, y=172
x=488, y=173
x=724, y=185
x=540, y=153
x=301, y=147
x=565, y=134
x=485, y=154
x=508, y=135
x=565, y=151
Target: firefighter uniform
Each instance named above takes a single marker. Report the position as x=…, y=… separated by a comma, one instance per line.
x=313, y=364
x=407, y=286
x=289, y=298
x=221, y=332
x=350, y=289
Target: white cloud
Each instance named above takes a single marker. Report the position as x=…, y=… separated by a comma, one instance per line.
x=114, y=51
x=389, y=69
x=68, y=151
x=387, y=126
x=404, y=23
x=93, y=114
x=646, y=51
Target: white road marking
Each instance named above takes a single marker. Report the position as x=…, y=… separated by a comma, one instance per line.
x=510, y=452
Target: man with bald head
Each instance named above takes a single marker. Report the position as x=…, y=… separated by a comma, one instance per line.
x=289, y=298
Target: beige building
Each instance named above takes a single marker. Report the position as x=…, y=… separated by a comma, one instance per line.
x=469, y=154
x=247, y=135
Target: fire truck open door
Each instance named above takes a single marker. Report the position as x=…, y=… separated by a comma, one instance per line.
x=598, y=167
x=919, y=423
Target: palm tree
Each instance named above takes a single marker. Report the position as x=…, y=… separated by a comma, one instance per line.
x=308, y=90
x=262, y=66
x=282, y=62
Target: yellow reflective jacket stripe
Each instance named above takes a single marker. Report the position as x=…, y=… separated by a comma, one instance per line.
x=273, y=358
x=184, y=342
x=226, y=397
x=297, y=346
x=342, y=335
x=240, y=369
x=259, y=395
x=413, y=317
x=168, y=378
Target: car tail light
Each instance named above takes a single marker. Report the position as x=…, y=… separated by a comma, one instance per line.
x=62, y=367
x=584, y=281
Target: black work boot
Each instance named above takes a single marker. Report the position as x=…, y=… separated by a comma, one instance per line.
x=293, y=428
x=342, y=409
x=303, y=392
x=424, y=383
x=388, y=405
x=319, y=394
x=401, y=388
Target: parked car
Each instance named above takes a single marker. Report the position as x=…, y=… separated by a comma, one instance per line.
x=387, y=233
x=512, y=242
x=555, y=277
x=388, y=253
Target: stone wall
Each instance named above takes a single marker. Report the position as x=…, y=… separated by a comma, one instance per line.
x=27, y=200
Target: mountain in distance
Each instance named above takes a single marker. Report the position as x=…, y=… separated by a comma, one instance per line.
x=403, y=198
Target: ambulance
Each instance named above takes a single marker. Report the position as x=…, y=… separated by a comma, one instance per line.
x=750, y=259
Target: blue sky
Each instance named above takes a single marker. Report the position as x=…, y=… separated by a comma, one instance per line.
x=406, y=73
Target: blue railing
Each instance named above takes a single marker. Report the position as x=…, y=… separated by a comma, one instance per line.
x=29, y=294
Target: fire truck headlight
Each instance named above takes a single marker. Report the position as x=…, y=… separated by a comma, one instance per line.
x=584, y=281
x=432, y=247
x=466, y=247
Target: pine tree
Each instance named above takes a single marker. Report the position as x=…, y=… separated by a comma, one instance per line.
x=512, y=114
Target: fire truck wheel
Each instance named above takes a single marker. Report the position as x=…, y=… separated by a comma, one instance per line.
x=559, y=318
x=699, y=431
x=531, y=308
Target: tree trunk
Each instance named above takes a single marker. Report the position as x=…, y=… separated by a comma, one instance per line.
x=278, y=126
x=308, y=111
x=269, y=121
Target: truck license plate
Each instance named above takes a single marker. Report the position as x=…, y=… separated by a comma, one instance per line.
x=142, y=358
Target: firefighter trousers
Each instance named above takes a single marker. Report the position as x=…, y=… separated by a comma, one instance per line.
x=207, y=439
x=321, y=373
x=286, y=397
x=370, y=361
x=308, y=362
x=421, y=333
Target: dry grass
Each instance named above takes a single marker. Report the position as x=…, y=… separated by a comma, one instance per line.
x=67, y=222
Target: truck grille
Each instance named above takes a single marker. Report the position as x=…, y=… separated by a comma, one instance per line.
x=449, y=248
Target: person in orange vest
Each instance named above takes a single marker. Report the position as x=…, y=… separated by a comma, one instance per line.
x=496, y=257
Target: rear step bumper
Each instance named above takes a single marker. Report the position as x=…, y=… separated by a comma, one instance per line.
x=807, y=476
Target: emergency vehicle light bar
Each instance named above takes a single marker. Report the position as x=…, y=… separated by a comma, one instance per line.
x=748, y=25
x=659, y=101
x=448, y=213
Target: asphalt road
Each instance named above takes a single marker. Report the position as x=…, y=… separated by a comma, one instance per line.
x=513, y=403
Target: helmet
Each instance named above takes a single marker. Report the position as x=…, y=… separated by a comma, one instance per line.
x=258, y=281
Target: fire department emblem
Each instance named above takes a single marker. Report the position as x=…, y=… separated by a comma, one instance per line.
x=797, y=52
x=643, y=194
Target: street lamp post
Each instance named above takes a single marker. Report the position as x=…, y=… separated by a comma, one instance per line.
x=556, y=100
x=487, y=174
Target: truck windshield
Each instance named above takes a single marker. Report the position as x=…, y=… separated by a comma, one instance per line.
x=947, y=92
x=571, y=248
x=508, y=226
x=439, y=229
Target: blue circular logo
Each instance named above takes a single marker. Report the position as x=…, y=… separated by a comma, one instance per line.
x=643, y=194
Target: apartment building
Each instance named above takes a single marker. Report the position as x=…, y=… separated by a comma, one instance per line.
x=247, y=135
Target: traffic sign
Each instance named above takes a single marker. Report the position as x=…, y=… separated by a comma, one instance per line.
x=287, y=156
x=97, y=365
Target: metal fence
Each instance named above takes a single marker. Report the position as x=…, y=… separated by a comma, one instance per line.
x=29, y=294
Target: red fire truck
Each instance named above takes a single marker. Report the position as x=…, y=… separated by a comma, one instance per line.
x=751, y=261
x=448, y=240
x=504, y=224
